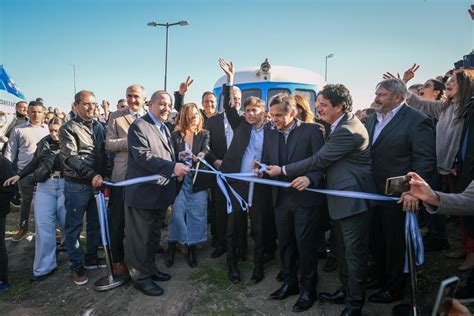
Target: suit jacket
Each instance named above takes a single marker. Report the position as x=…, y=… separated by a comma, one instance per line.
x=346, y=158
x=218, y=142
x=406, y=144
x=306, y=140
x=149, y=153
x=116, y=142
x=200, y=144
x=232, y=160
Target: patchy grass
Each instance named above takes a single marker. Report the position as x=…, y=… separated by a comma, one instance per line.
x=17, y=287
x=218, y=295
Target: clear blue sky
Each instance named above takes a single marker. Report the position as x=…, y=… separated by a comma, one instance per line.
x=112, y=47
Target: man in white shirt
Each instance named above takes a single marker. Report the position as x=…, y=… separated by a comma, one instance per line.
x=20, y=149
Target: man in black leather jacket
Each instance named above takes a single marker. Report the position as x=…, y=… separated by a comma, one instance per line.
x=82, y=150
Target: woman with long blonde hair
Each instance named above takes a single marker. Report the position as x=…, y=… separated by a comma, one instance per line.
x=188, y=225
x=305, y=113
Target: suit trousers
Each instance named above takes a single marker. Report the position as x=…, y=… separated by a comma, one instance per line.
x=117, y=223
x=388, y=244
x=296, y=227
x=142, y=236
x=236, y=234
x=220, y=216
x=352, y=238
x=262, y=222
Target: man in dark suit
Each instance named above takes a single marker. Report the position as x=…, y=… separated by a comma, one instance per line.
x=346, y=159
x=296, y=212
x=150, y=152
x=221, y=134
x=246, y=147
x=403, y=140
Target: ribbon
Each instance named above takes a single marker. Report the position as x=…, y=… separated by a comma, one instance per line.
x=412, y=228
x=222, y=182
x=104, y=223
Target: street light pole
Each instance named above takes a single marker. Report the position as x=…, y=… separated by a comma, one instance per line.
x=74, y=76
x=167, y=25
x=326, y=67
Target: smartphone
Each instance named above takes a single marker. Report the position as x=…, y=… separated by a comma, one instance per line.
x=445, y=295
x=397, y=185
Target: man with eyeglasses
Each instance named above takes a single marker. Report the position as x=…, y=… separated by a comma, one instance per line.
x=82, y=150
x=122, y=105
x=116, y=142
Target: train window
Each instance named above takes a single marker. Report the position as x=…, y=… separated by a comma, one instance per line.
x=273, y=92
x=309, y=95
x=251, y=93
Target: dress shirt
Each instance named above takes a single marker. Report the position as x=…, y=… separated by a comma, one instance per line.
x=334, y=125
x=136, y=115
x=161, y=126
x=229, y=132
x=383, y=120
x=253, y=150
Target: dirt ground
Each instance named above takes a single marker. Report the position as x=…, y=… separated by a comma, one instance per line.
x=204, y=290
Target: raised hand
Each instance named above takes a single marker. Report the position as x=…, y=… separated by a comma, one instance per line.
x=227, y=67
x=183, y=87
x=410, y=73
x=388, y=75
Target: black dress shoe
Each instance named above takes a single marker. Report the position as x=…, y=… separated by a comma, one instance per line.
x=257, y=274
x=150, y=289
x=284, y=291
x=305, y=301
x=161, y=276
x=373, y=284
x=385, y=297
x=337, y=297
x=233, y=274
x=351, y=312
x=219, y=251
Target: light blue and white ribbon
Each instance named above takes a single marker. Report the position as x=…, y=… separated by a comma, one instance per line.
x=104, y=223
x=412, y=228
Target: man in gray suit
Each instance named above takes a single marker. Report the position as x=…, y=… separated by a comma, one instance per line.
x=346, y=159
x=150, y=152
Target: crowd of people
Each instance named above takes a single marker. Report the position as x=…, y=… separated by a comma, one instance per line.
x=425, y=132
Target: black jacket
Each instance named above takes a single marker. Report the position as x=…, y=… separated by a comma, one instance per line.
x=82, y=150
x=6, y=193
x=46, y=159
x=200, y=144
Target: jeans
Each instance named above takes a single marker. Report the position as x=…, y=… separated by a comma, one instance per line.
x=26, y=186
x=188, y=224
x=79, y=198
x=49, y=211
x=3, y=251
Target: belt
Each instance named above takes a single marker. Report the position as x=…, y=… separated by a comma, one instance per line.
x=55, y=176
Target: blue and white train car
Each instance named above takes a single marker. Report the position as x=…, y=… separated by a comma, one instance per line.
x=267, y=81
